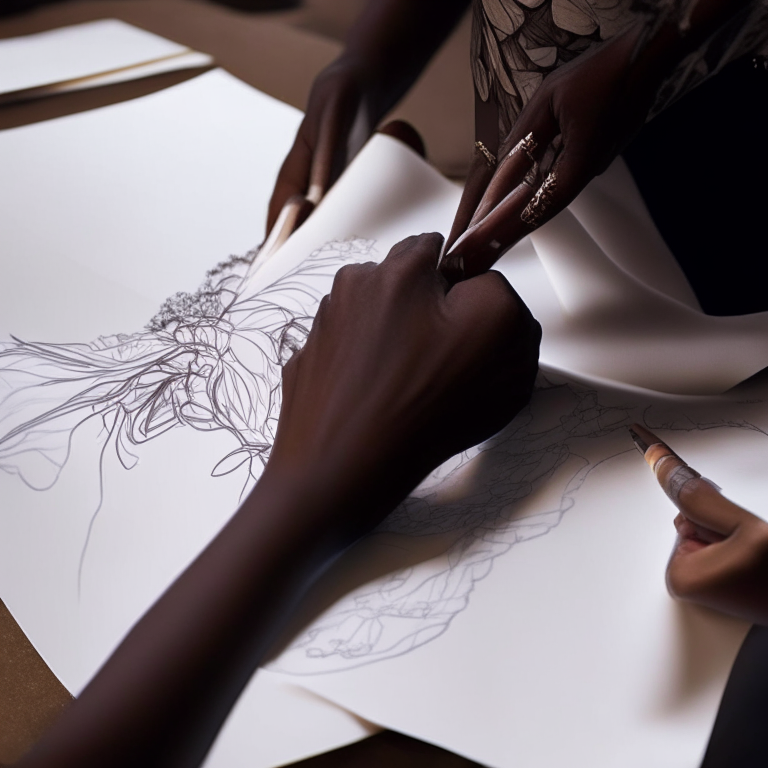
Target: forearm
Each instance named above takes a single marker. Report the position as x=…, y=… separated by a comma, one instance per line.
x=163, y=695
x=393, y=40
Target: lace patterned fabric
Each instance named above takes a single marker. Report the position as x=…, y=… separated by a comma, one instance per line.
x=516, y=43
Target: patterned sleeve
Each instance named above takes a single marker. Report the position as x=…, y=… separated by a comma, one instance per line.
x=516, y=43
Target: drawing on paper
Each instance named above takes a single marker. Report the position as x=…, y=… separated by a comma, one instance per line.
x=210, y=360
x=552, y=446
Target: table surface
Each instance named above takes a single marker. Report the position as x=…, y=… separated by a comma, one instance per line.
x=279, y=53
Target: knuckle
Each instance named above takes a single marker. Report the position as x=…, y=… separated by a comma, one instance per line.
x=322, y=311
x=403, y=245
x=427, y=241
x=347, y=274
x=431, y=242
x=755, y=555
x=682, y=583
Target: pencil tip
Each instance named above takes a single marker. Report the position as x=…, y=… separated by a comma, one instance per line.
x=640, y=444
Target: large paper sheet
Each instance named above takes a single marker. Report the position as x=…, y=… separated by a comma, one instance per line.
x=542, y=550
x=109, y=213
x=86, y=55
x=514, y=609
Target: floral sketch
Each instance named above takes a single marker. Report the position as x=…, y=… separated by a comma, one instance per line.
x=209, y=360
x=212, y=360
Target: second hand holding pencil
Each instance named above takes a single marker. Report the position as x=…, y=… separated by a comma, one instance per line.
x=720, y=558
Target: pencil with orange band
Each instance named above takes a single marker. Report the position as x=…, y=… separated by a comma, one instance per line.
x=720, y=558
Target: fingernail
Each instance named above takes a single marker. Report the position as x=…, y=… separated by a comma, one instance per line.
x=462, y=238
x=535, y=210
x=453, y=268
x=315, y=194
x=527, y=145
x=490, y=158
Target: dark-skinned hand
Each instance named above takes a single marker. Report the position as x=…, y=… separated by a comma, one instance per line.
x=720, y=558
x=430, y=369
x=580, y=118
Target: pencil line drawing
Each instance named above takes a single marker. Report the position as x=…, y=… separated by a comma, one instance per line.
x=562, y=436
x=209, y=360
x=212, y=361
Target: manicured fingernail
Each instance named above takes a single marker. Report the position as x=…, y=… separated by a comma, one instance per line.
x=453, y=268
x=315, y=194
x=527, y=145
x=535, y=210
x=490, y=158
x=462, y=238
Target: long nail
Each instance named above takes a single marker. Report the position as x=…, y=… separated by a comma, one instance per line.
x=490, y=158
x=527, y=145
x=292, y=215
x=464, y=235
x=535, y=210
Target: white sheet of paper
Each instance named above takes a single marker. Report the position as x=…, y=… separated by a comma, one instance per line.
x=527, y=622
x=514, y=611
x=156, y=516
x=613, y=303
x=109, y=213
x=89, y=54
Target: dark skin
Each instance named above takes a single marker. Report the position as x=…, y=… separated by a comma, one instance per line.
x=582, y=116
x=400, y=372
x=386, y=50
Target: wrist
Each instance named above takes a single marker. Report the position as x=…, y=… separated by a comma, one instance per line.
x=310, y=503
x=340, y=495
x=352, y=74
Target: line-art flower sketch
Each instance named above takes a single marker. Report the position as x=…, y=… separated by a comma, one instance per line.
x=208, y=360
x=212, y=360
